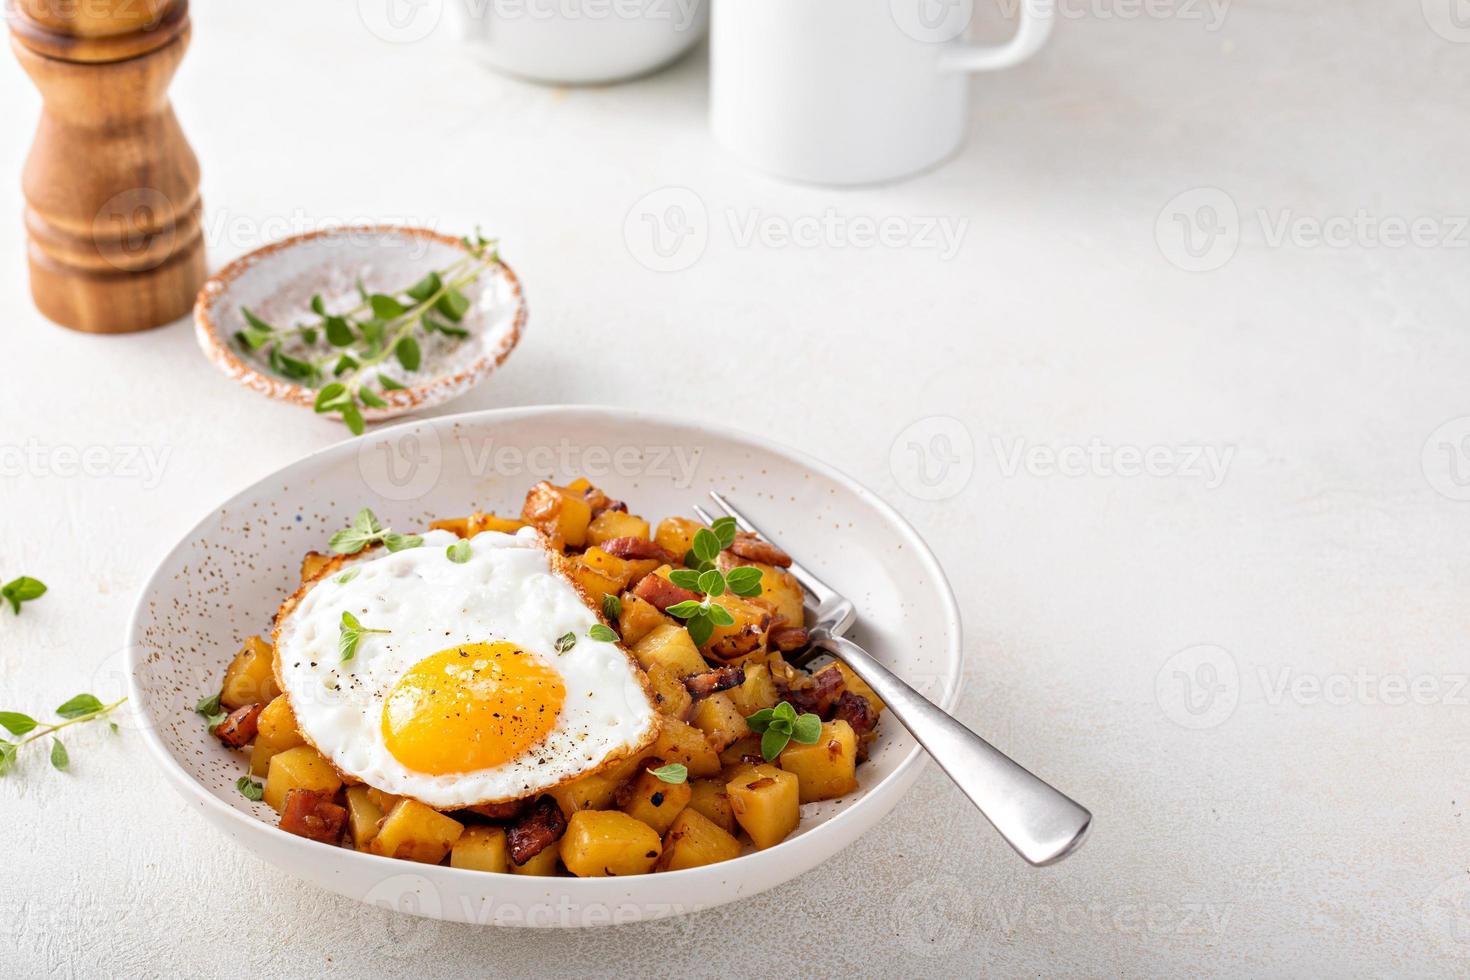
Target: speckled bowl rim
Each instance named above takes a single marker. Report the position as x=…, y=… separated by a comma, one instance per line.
x=772, y=865
x=427, y=394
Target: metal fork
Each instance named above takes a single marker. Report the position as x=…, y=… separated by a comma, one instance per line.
x=1035, y=818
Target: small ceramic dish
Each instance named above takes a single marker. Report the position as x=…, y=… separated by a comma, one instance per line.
x=226, y=578
x=278, y=281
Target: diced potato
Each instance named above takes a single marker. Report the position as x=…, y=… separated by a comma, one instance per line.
x=385, y=801
x=459, y=525
x=594, y=583
x=708, y=796
x=737, y=750
x=676, y=534
x=782, y=672
x=300, y=768
x=616, y=524
x=312, y=564
x=608, y=843
x=542, y=865
x=481, y=849
x=414, y=832
x=275, y=731
x=489, y=522
x=756, y=692
x=767, y=804
x=719, y=719
x=747, y=635
x=670, y=695
x=694, y=841
x=678, y=742
x=249, y=679
x=597, y=791
x=562, y=514
x=617, y=569
x=656, y=802
x=671, y=646
x=638, y=618
x=826, y=769
x=852, y=682
x=363, y=814
x=782, y=592
x=580, y=486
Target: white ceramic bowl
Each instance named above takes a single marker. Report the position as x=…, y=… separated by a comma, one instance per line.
x=224, y=580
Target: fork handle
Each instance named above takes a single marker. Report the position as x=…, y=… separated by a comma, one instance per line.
x=1035, y=818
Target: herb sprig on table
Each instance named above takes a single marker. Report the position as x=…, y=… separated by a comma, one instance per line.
x=79, y=710
x=701, y=616
x=345, y=349
x=23, y=589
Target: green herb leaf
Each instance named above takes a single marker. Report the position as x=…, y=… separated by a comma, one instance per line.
x=255, y=322
x=250, y=789
x=208, y=706
x=759, y=721
x=332, y=397
x=612, y=607
x=433, y=324
x=685, y=578
x=712, y=583
x=371, y=400
x=744, y=580
x=344, y=364
x=425, y=287
x=700, y=629
x=408, y=353
x=807, y=729
x=453, y=304
x=361, y=290
x=16, y=723
x=339, y=332
x=252, y=338
x=308, y=335
x=351, y=634
x=318, y=305
x=352, y=418
x=719, y=615
x=389, y=384
x=7, y=757
x=685, y=609
x=401, y=542
x=20, y=590
x=59, y=759
x=82, y=704
x=706, y=545
x=724, y=529
x=602, y=633
x=565, y=642
x=459, y=552
x=347, y=576
x=386, y=307
x=772, y=742
x=785, y=711
x=674, y=772
x=365, y=530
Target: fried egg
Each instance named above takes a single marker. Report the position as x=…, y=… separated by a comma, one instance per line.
x=470, y=693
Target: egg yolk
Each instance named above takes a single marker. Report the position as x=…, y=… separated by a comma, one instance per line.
x=471, y=707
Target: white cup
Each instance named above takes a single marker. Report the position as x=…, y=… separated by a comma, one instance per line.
x=580, y=42
x=851, y=91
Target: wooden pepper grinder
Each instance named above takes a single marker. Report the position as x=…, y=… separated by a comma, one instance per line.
x=111, y=185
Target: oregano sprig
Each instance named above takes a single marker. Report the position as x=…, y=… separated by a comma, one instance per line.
x=351, y=634
x=344, y=351
x=701, y=616
x=23, y=589
x=78, y=710
x=366, y=529
x=778, y=726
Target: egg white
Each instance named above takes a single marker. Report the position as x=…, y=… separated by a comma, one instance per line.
x=508, y=590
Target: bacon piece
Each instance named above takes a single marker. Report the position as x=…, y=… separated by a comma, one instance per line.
x=535, y=830
x=238, y=728
x=788, y=638
x=858, y=712
x=661, y=592
x=818, y=696
x=313, y=815
x=499, y=811
x=711, y=681
x=752, y=548
x=634, y=549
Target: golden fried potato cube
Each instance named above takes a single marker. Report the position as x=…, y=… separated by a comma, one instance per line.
x=608, y=843
x=757, y=691
x=560, y=513
x=489, y=522
x=250, y=677
x=782, y=592
x=694, y=841
x=618, y=569
x=593, y=582
x=385, y=801
x=596, y=791
x=541, y=865
x=656, y=802
x=708, y=796
x=638, y=618
x=580, y=486
x=670, y=695
x=363, y=814
x=300, y=768
x=275, y=731
x=736, y=751
x=766, y=801
x=852, y=682
x=719, y=719
x=671, y=645
x=481, y=849
x=415, y=832
x=678, y=742
x=312, y=563
x=826, y=769
x=746, y=636
x=676, y=534
x=616, y=524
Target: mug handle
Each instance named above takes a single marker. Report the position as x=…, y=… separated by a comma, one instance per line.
x=1032, y=30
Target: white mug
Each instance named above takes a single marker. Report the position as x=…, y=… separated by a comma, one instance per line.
x=851, y=91
x=580, y=42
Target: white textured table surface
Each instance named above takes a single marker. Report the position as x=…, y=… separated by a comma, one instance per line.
x=1249, y=658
